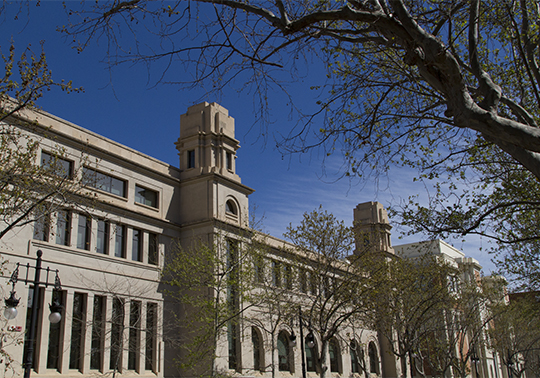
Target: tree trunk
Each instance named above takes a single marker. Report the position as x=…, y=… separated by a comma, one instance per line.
x=273, y=349
x=322, y=359
x=411, y=364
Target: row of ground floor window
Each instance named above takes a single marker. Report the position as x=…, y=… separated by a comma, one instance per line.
x=344, y=357
x=97, y=334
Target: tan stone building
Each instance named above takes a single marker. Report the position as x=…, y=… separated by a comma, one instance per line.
x=109, y=256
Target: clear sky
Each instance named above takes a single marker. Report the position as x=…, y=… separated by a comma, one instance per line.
x=123, y=104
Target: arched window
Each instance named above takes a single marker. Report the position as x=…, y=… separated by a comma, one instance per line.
x=284, y=352
x=373, y=359
x=311, y=352
x=258, y=350
x=335, y=356
x=230, y=208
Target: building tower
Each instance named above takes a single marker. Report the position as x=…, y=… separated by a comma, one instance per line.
x=372, y=233
x=372, y=228
x=213, y=209
x=210, y=188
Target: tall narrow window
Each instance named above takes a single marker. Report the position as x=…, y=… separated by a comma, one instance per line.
x=55, y=332
x=326, y=288
x=276, y=273
x=288, y=277
x=119, y=241
x=313, y=283
x=77, y=330
x=355, y=357
x=98, y=323
x=134, y=335
x=335, y=356
x=303, y=281
x=258, y=350
x=284, y=353
x=311, y=352
x=29, y=310
x=151, y=336
x=136, y=245
x=232, y=274
x=63, y=227
x=83, y=232
x=153, y=251
x=41, y=227
x=258, y=269
x=233, y=303
x=191, y=159
x=233, y=343
x=117, y=330
x=102, y=243
x=229, y=159
x=373, y=359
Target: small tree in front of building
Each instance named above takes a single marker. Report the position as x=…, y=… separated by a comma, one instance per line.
x=333, y=289
x=515, y=334
x=460, y=342
x=275, y=307
x=31, y=186
x=412, y=298
x=208, y=288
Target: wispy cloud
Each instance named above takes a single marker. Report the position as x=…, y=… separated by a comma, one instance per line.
x=283, y=199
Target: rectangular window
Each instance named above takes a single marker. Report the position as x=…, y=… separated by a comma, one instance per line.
x=232, y=275
x=151, y=336
x=191, y=159
x=232, y=341
x=288, y=277
x=326, y=287
x=77, y=331
x=134, y=335
x=146, y=196
x=276, y=274
x=119, y=240
x=55, y=332
x=313, y=283
x=98, y=323
x=63, y=227
x=83, y=232
x=29, y=310
x=41, y=227
x=103, y=181
x=117, y=329
x=258, y=269
x=57, y=165
x=153, y=249
x=228, y=159
x=136, y=245
x=303, y=281
x=102, y=243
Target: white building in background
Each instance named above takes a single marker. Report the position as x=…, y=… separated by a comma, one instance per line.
x=110, y=256
x=488, y=363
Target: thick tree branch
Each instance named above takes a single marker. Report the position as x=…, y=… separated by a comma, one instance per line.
x=487, y=87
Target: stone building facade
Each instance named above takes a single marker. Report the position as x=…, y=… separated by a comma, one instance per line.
x=110, y=255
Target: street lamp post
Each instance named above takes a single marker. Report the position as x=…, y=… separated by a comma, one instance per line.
x=11, y=305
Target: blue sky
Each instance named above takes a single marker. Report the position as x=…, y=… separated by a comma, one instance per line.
x=123, y=104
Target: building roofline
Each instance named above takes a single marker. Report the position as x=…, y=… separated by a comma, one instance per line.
x=80, y=135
